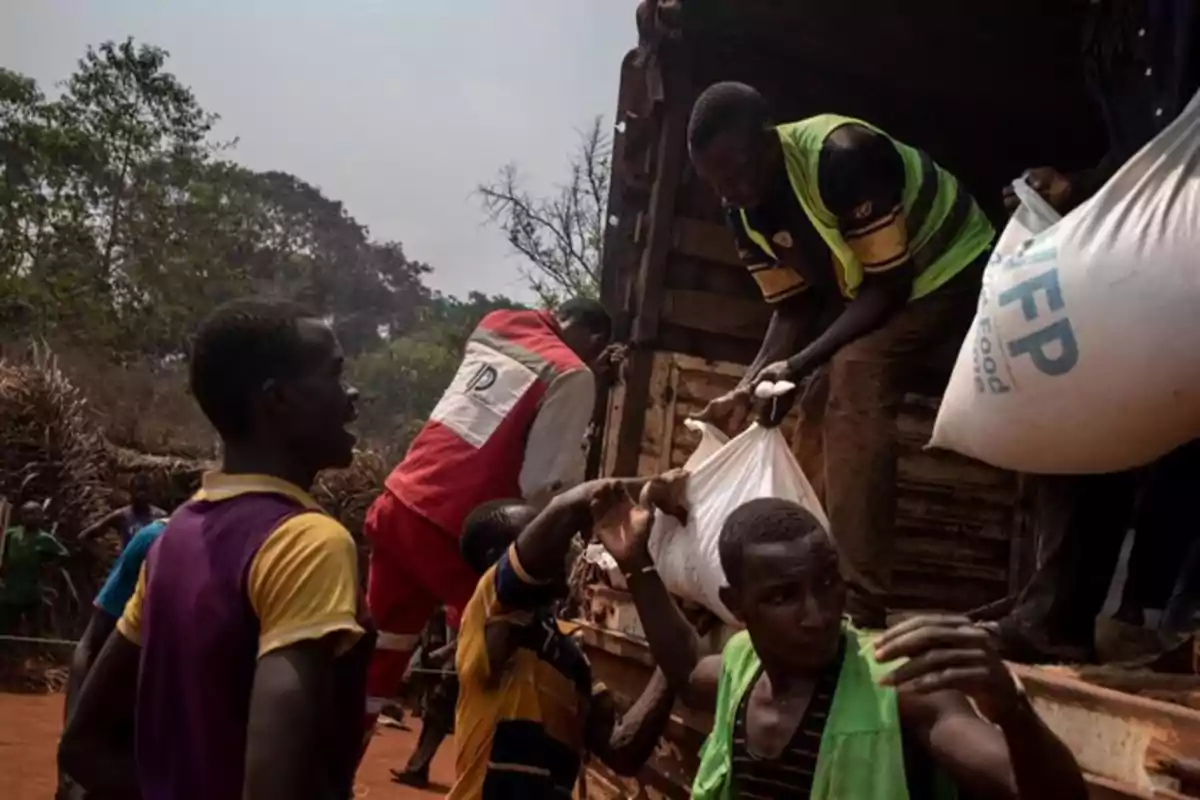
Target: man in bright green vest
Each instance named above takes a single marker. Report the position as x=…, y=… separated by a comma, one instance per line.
x=870, y=255
x=803, y=704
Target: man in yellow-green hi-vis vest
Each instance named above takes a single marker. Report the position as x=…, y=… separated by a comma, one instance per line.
x=806, y=707
x=871, y=256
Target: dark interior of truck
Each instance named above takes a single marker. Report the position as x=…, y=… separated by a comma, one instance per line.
x=988, y=88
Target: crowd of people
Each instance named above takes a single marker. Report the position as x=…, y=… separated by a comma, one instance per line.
x=234, y=653
x=240, y=662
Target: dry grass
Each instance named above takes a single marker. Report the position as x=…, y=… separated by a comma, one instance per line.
x=51, y=452
x=171, y=479
x=50, y=447
x=141, y=405
x=348, y=493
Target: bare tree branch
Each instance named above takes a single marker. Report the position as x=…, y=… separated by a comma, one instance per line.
x=559, y=236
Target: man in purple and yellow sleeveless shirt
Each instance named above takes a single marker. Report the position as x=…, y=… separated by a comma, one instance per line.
x=240, y=661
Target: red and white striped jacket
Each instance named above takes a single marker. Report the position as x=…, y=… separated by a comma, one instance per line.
x=512, y=424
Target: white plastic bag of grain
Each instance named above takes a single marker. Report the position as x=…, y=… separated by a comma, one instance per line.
x=724, y=475
x=1085, y=351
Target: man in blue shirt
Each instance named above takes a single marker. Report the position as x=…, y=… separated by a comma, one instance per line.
x=130, y=519
x=110, y=604
x=1142, y=63
x=107, y=608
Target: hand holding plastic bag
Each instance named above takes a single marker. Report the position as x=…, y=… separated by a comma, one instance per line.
x=724, y=474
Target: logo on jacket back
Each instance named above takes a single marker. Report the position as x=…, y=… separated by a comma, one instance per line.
x=483, y=379
x=485, y=390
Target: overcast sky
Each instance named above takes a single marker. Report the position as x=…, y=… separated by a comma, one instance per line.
x=398, y=108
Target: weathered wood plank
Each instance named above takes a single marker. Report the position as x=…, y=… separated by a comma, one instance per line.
x=989, y=520
x=920, y=555
x=690, y=341
x=620, y=251
x=714, y=313
x=915, y=591
x=1182, y=690
x=612, y=425
x=703, y=275
x=649, y=284
x=670, y=420
x=703, y=239
x=1022, y=556
x=657, y=422
x=1119, y=737
x=938, y=470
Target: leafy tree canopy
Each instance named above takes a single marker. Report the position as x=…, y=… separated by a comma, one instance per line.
x=122, y=223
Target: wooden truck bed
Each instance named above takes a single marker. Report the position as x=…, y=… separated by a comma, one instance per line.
x=988, y=89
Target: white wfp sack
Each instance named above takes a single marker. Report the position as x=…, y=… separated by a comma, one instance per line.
x=724, y=475
x=1085, y=351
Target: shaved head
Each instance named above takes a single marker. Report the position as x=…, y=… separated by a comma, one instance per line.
x=768, y=521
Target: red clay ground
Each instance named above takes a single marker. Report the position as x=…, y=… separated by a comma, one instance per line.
x=30, y=725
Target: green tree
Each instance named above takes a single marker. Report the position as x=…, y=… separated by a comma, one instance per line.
x=123, y=224
x=145, y=132
x=21, y=135
x=560, y=236
x=401, y=382
x=97, y=171
x=303, y=245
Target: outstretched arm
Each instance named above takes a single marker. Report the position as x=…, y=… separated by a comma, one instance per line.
x=878, y=299
x=97, y=747
x=862, y=181
x=96, y=750
x=99, y=627
x=784, y=289
x=1004, y=750
x=791, y=328
x=625, y=744
x=555, y=458
x=542, y=547
x=106, y=522
x=536, y=558
x=443, y=655
x=625, y=532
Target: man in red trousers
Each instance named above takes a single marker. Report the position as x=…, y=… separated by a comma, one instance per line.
x=511, y=425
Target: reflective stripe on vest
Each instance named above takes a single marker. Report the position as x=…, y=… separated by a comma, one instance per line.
x=946, y=229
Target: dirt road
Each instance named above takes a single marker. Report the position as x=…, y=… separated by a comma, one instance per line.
x=30, y=725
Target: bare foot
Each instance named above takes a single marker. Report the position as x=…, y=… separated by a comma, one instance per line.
x=417, y=780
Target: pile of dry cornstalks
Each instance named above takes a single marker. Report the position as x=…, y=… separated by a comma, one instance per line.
x=348, y=493
x=50, y=450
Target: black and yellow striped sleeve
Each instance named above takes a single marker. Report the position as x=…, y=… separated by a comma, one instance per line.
x=861, y=177
x=517, y=592
x=776, y=281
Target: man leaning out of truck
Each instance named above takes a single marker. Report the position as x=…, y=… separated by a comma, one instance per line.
x=871, y=256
